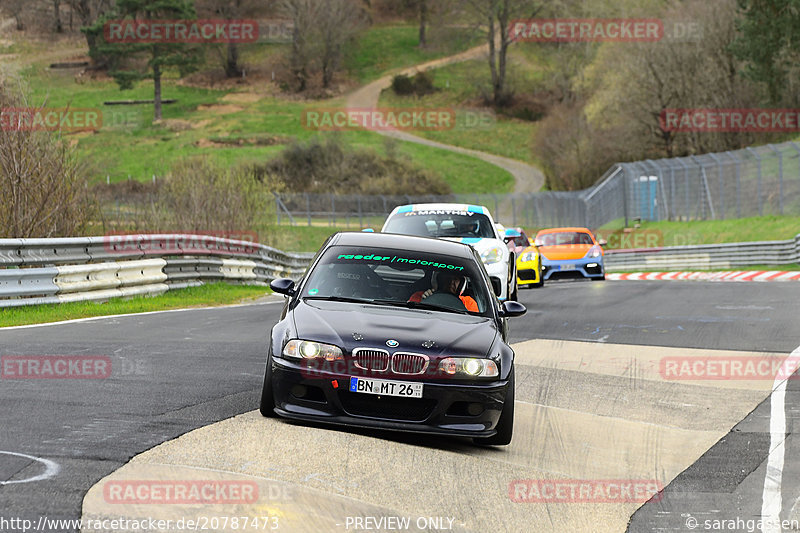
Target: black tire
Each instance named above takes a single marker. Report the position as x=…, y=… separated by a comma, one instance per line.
x=267, y=406
x=512, y=279
x=505, y=426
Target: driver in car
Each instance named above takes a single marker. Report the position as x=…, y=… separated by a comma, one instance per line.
x=447, y=282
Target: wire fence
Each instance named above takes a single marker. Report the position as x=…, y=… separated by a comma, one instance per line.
x=755, y=181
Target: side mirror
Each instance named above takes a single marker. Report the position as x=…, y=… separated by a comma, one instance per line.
x=282, y=286
x=510, y=309
x=602, y=242
x=497, y=286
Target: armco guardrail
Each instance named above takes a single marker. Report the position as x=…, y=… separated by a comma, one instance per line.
x=706, y=256
x=41, y=271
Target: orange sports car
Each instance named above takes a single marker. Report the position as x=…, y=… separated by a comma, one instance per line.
x=570, y=252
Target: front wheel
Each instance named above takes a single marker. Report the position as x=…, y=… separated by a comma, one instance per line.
x=505, y=426
x=267, y=406
x=512, y=293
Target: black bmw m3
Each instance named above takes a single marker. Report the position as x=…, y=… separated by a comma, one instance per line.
x=394, y=332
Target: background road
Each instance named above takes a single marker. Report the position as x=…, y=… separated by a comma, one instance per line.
x=177, y=371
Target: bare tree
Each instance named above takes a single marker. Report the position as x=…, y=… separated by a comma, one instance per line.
x=321, y=31
x=637, y=82
x=42, y=190
x=231, y=10
x=496, y=16
x=58, y=27
x=338, y=23
x=303, y=14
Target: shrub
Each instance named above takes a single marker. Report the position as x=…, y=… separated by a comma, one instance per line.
x=423, y=84
x=201, y=196
x=42, y=190
x=402, y=85
x=328, y=166
x=420, y=84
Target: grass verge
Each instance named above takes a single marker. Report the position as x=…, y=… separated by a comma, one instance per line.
x=205, y=295
x=665, y=233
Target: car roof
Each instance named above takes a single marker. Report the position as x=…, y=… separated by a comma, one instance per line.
x=401, y=242
x=444, y=206
x=559, y=230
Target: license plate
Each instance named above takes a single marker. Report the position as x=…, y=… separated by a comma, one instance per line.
x=386, y=387
x=567, y=267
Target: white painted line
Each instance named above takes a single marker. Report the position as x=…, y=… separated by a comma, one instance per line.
x=104, y=317
x=771, y=499
x=51, y=469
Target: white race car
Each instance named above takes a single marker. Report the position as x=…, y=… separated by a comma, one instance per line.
x=469, y=224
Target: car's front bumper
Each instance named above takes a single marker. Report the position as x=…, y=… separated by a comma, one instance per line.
x=441, y=410
x=586, y=267
x=527, y=272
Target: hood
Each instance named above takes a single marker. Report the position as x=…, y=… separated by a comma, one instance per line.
x=337, y=322
x=482, y=244
x=565, y=251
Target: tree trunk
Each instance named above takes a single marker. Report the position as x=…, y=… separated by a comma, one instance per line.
x=58, y=26
x=500, y=92
x=423, y=22
x=232, y=69
x=492, y=56
x=156, y=90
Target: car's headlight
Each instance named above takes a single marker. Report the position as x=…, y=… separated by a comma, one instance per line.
x=469, y=367
x=594, y=251
x=300, y=349
x=492, y=255
x=528, y=256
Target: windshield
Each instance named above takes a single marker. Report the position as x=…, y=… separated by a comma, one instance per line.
x=441, y=223
x=399, y=277
x=564, y=237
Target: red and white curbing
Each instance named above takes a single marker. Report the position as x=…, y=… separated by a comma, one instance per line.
x=739, y=275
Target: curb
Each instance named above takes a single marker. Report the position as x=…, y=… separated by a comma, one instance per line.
x=738, y=275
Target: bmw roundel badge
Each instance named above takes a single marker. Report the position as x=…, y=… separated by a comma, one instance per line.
x=391, y=343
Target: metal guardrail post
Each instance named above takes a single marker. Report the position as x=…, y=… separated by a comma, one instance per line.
x=758, y=159
x=721, y=186
x=780, y=177
x=738, y=182
x=625, y=193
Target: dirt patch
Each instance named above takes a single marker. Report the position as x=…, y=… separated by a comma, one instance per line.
x=261, y=140
x=205, y=143
x=175, y=124
x=201, y=123
x=220, y=109
x=242, y=98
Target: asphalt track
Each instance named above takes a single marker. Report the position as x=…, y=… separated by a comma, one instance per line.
x=591, y=406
